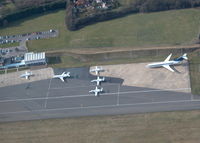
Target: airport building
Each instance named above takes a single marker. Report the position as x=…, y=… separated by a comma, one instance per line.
x=28, y=59
x=34, y=58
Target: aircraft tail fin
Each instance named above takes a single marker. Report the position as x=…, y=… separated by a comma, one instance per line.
x=68, y=74
x=185, y=56
x=181, y=58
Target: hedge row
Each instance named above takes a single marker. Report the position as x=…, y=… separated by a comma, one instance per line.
x=22, y=13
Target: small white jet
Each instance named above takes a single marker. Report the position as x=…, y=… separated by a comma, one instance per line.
x=96, y=91
x=97, y=70
x=26, y=75
x=62, y=76
x=98, y=80
x=167, y=63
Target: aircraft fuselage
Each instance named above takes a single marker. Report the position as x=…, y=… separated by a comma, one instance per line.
x=160, y=64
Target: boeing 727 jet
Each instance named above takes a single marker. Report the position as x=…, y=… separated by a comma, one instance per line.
x=96, y=91
x=98, y=80
x=62, y=76
x=26, y=75
x=167, y=63
x=97, y=70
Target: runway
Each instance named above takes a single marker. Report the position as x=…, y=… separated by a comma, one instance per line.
x=54, y=99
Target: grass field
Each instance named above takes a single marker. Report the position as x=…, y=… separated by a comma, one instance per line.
x=9, y=45
x=165, y=127
x=80, y=60
x=137, y=30
x=195, y=72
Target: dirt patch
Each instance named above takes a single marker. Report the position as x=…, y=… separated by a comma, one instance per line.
x=101, y=50
x=157, y=78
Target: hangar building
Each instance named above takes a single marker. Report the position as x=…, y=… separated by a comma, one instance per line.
x=34, y=58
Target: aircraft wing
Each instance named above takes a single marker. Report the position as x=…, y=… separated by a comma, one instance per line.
x=63, y=73
x=168, y=67
x=96, y=93
x=92, y=80
x=168, y=58
x=61, y=78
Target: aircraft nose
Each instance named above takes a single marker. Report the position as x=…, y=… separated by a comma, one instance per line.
x=147, y=66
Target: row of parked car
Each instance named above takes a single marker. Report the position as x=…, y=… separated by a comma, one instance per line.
x=9, y=41
x=28, y=36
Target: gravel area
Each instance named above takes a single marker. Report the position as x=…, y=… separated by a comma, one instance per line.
x=14, y=77
x=158, y=78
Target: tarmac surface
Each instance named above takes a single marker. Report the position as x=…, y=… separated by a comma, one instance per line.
x=52, y=98
x=14, y=78
x=137, y=74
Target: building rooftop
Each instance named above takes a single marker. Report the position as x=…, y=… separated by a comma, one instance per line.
x=34, y=56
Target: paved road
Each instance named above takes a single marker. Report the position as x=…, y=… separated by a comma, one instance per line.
x=54, y=99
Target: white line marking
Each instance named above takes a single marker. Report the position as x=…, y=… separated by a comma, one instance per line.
x=192, y=97
x=57, y=88
x=45, y=103
x=89, y=95
x=156, y=90
x=118, y=94
x=103, y=106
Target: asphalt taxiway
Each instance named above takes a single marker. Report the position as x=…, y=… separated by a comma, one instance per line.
x=52, y=98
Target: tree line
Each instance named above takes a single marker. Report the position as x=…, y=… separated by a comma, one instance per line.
x=25, y=8
x=161, y=5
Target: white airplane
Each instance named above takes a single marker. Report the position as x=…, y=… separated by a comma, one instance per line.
x=167, y=63
x=96, y=91
x=97, y=70
x=26, y=75
x=62, y=76
x=98, y=80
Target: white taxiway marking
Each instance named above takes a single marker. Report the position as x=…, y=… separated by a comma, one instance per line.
x=45, y=103
x=58, y=88
x=88, y=95
x=118, y=92
x=103, y=106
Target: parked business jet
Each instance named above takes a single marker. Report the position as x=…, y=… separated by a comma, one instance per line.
x=97, y=70
x=167, y=63
x=26, y=75
x=96, y=91
x=98, y=80
x=62, y=76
